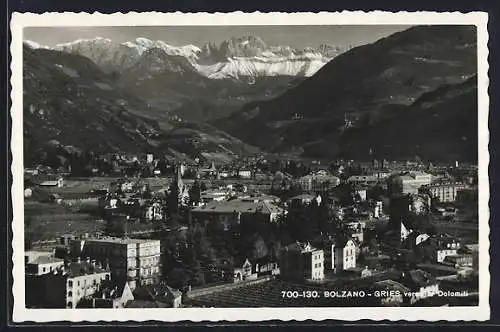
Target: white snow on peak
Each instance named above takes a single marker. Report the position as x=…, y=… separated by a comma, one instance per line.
x=35, y=45
x=272, y=61
x=96, y=40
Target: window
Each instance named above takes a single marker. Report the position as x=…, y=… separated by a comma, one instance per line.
x=70, y=304
x=70, y=294
x=44, y=269
x=78, y=283
x=70, y=283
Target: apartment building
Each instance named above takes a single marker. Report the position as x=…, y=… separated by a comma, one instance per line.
x=409, y=183
x=343, y=254
x=301, y=261
x=443, y=192
x=135, y=260
x=66, y=286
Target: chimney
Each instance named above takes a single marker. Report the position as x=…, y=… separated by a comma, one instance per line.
x=88, y=260
x=78, y=260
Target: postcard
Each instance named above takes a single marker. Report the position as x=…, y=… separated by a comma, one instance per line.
x=250, y=166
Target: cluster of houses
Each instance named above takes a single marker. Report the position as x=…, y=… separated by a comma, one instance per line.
x=101, y=272
x=112, y=272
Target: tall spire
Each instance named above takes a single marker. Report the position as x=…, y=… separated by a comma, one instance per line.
x=180, y=183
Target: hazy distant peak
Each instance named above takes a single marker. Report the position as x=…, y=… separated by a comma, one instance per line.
x=32, y=44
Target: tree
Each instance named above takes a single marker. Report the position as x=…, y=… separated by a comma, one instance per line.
x=195, y=193
x=173, y=200
x=259, y=248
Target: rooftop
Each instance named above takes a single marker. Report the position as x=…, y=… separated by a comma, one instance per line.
x=76, y=269
x=108, y=239
x=239, y=206
x=301, y=247
x=417, y=278
x=45, y=260
x=303, y=197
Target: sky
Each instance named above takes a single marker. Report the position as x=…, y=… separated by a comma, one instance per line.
x=294, y=36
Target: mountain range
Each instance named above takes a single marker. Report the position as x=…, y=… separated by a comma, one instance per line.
x=244, y=57
x=412, y=93
x=201, y=84
x=369, y=87
x=69, y=101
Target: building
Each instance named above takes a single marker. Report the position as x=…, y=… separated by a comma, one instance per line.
x=446, y=247
x=214, y=195
x=358, y=231
x=378, y=209
x=343, y=254
x=154, y=211
x=404, y=232
x=267, y=266
x=301, y=261
x=59, y=182
x=304, y=200
x=245, y=173
x=363, y=180
x=31, y=255
x=443, y=192
x=237, y=211
x=109, y=295
x=136, y=261
x=460, y=260
x=361, y=194
x=244, y=271
x=409, y=183
x=43, y=264
x=421, y=284
x=320, y=182
x=159, y=295
x=67, y=286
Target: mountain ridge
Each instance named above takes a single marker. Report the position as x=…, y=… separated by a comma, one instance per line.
x=212, y=60
x=70, y=102
x=357, y=88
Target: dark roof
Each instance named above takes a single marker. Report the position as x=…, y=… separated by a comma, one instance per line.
x=156, y=293
x=266, y=260
x=110, y=289
x=417, y=278
x=239, y=261
x=79, y=269
x=340, y=241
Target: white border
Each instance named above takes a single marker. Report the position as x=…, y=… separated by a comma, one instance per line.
x=21, y=20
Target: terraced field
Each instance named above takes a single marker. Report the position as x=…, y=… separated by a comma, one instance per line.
x=269, y=294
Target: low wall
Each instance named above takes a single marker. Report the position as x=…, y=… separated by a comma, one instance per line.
x=225, y=287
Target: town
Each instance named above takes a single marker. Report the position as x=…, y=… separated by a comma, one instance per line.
x=143, y=231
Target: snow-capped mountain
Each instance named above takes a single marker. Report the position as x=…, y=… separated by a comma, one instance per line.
x=234, y=58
